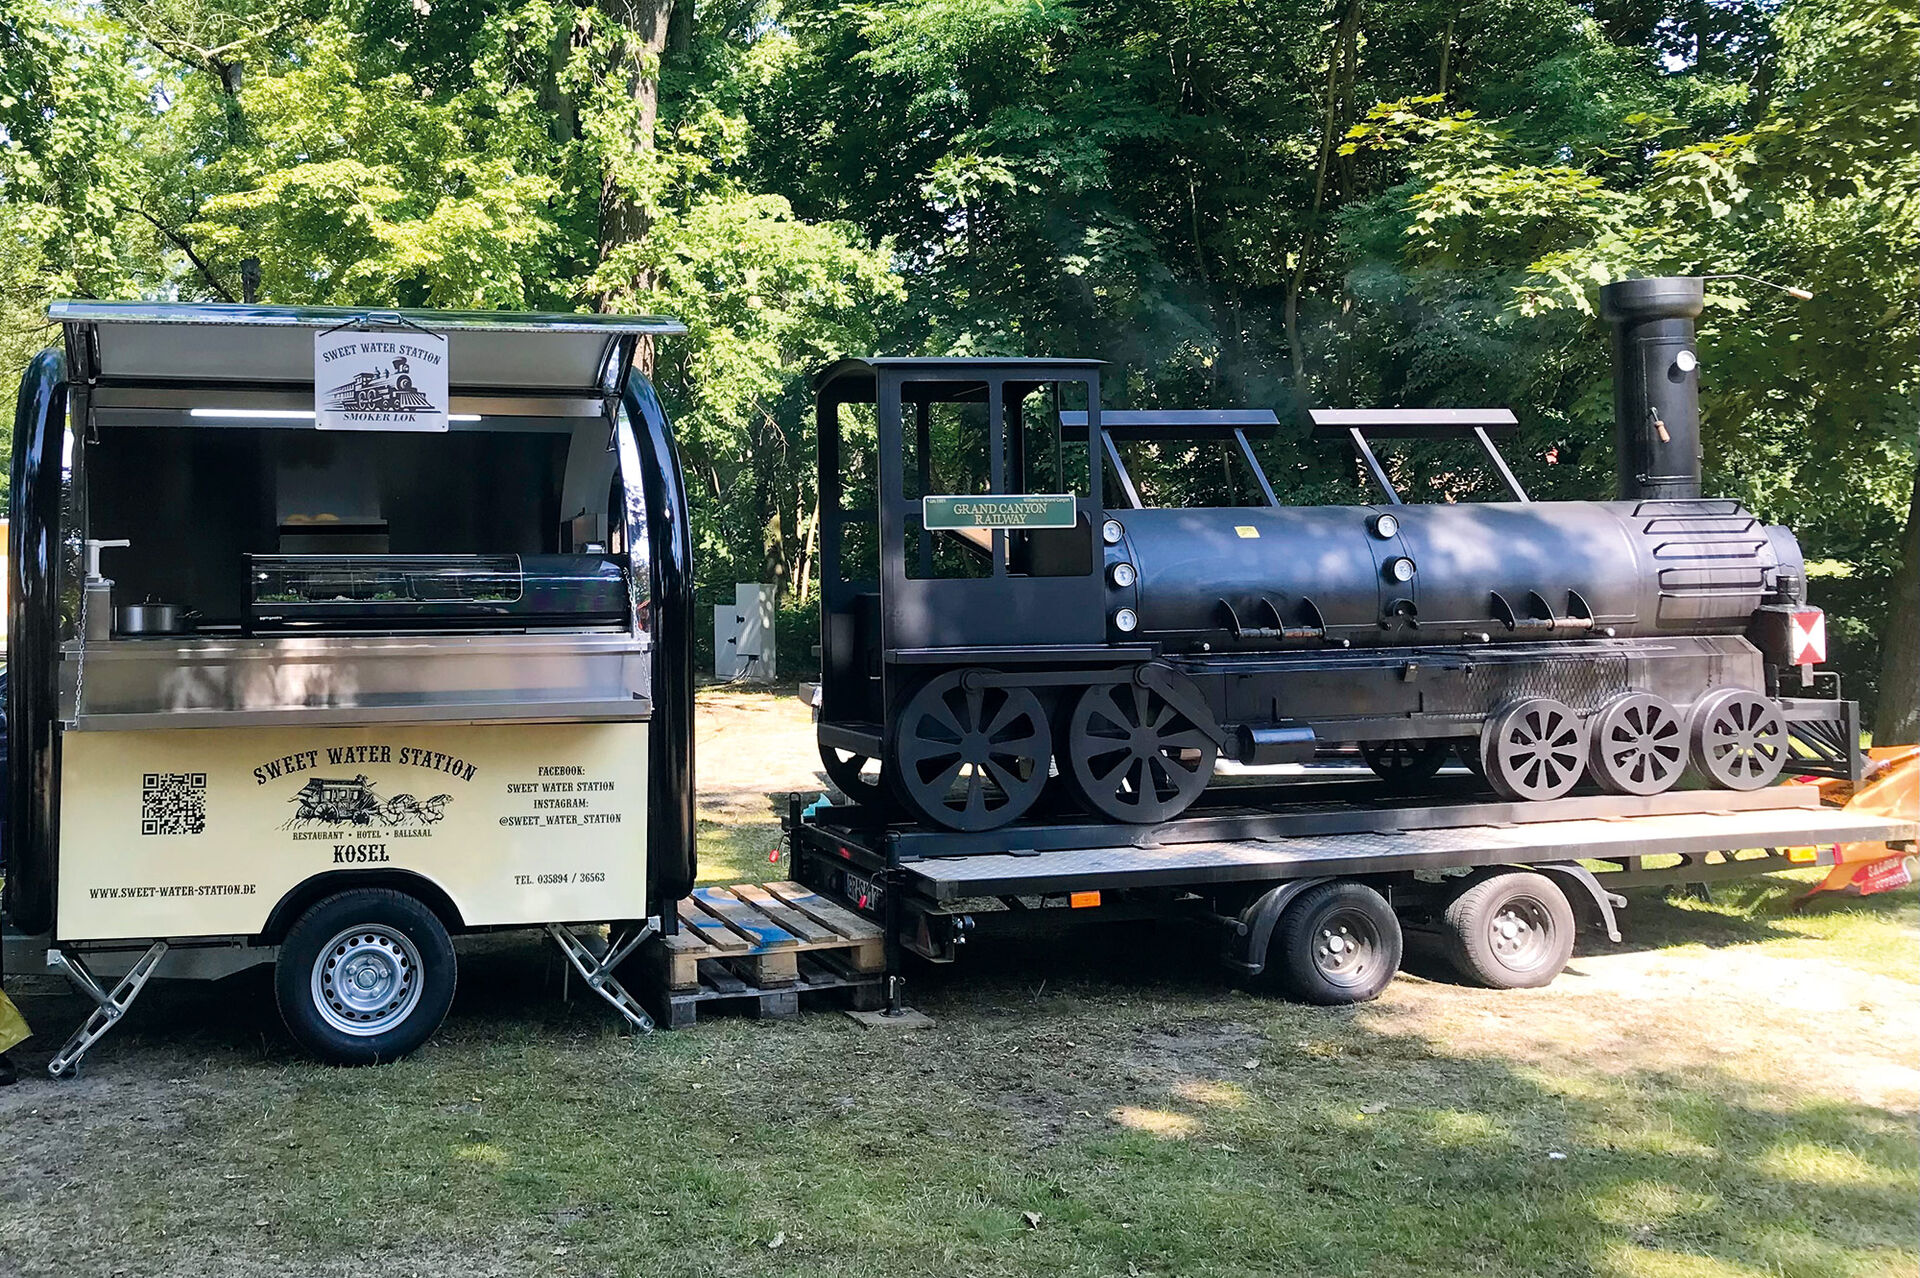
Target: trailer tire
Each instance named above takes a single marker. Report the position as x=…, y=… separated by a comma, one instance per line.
x=364, y=976
x=1338, y=943
x=1509, y=931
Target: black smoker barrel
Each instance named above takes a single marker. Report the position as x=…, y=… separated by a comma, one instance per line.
x=1656, y=384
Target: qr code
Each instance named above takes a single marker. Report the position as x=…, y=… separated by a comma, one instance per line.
x=173, y=803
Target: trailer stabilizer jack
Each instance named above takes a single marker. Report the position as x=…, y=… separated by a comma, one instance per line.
x=110, y=1007
x=597, y=970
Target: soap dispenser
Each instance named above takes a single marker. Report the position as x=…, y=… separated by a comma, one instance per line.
x=97, y=604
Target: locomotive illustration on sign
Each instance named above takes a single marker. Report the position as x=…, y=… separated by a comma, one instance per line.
x=380, y=391
x=972, y=664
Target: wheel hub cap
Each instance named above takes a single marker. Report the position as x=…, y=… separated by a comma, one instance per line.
x=1343, y=951
x=367, y=980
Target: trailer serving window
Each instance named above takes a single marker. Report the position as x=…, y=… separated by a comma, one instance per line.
x=309, y=598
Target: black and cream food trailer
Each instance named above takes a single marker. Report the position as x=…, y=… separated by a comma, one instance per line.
x=335, y=634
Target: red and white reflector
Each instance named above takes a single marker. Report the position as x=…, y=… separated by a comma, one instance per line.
x=1807, y=637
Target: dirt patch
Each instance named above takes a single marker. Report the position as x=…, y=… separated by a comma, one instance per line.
x=1799, y=1026
x=750, y=750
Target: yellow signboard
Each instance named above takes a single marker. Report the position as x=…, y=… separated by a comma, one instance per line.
x=201, y=832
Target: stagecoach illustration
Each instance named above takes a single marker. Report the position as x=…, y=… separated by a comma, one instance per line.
x=331, y=801
x=381, y=391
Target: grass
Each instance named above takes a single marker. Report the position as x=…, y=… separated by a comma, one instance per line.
x=1105, y=1107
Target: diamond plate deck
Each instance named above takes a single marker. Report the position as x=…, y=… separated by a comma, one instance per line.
x=1248, y=860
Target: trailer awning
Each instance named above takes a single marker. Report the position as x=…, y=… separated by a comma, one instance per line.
x=143, y=357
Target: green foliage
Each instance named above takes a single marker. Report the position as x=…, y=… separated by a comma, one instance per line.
x=1338, y=202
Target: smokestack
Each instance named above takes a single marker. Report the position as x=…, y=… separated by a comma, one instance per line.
x=1656, y=384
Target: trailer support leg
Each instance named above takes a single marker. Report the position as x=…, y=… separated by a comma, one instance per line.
x=109, y=1006
x=890, y=914
x=597, y=970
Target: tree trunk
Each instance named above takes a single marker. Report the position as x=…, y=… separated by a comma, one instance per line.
x=625, y=216
x=1446, y=53
x=1896, y=721
x=805, y=574
x=1341, y=54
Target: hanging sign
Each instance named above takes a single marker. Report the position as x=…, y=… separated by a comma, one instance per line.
x=999, y=510
x=380, y=380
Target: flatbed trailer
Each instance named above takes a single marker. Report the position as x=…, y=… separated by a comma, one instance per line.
x=1312, y=883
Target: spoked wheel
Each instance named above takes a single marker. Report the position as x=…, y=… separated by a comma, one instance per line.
x=1338, y=943
x=1639, y=744
x=1133, y=756
x=1738, y=739
x=1405, y=765
x=969, y=758
x=857, y=775
x=1536, y=748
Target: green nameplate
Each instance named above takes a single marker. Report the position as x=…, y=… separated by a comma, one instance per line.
x=999, y=510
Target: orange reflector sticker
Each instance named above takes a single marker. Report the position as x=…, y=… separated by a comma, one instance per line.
x=1083, y=900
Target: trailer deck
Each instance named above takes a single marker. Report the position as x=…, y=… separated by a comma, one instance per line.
x=1622, y=839
x=1240, y=862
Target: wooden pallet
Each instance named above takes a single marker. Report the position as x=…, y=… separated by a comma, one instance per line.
x=765, y=944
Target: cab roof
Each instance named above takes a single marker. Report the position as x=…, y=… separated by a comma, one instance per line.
x=853, y=381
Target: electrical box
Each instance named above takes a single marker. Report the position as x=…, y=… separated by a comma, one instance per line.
x=743, y=638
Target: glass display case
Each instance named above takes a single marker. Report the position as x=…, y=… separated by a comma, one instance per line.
x=384, y=592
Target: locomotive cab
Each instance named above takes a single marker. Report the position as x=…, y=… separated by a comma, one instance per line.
x=998, y=640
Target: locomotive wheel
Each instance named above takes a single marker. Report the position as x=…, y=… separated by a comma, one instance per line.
x=1738, y=739
x=1405, y=766
x=969, y=758
x=1131, y=755
x=1639, y=744
x=1536, y=748
x=851, y=773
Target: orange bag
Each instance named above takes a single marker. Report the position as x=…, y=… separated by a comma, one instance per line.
x=1891, y=788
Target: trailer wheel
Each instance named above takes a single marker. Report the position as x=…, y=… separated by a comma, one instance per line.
x=364, y=976
x=1510, y=931
x=1338, y=943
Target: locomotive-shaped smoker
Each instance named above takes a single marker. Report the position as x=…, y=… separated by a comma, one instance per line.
x=988, y=624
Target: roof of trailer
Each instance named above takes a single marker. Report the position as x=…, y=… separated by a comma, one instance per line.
x=175, y=344
x=85, y=311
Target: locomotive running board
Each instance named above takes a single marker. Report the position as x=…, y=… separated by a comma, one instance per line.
x=1618, y=839
x=1312, y=810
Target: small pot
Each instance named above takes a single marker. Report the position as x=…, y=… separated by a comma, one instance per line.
x=152, y=618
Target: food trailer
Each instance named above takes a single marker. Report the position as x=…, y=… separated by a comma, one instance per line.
x=334, y=635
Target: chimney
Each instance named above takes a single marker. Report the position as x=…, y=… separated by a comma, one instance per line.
x=1656, y=384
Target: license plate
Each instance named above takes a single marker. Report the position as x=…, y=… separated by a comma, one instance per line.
x=864, y=892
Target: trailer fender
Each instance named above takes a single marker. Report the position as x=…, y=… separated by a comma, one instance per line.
x=320, y=886
x=1592, y=904
x=1246, y=949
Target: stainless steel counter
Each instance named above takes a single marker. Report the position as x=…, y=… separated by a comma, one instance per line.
x=200, y=681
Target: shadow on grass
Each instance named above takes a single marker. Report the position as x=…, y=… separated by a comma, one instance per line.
x=1152, y=1119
